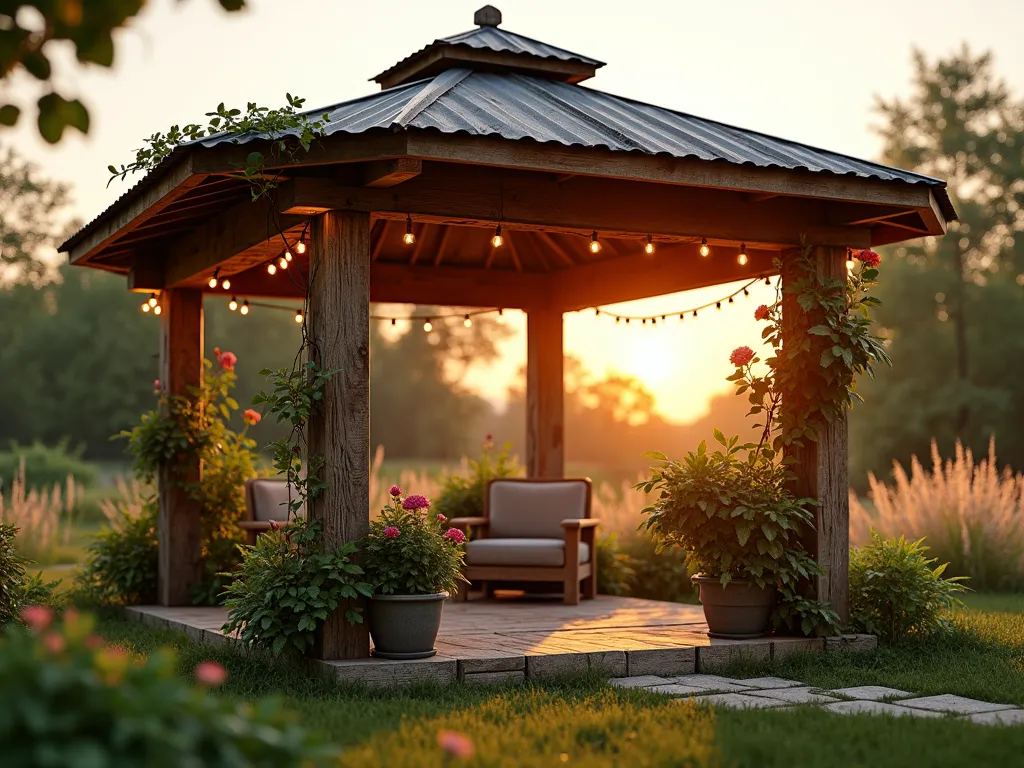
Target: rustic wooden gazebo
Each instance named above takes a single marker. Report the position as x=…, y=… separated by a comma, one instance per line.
x=475, y=131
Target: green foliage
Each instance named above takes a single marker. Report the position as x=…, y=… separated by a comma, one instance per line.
x=733, y=516
x=88, y=27
x=659, y=573
x=464, y=496
x=45, y=466
x=17, y=588
x=65, y=699
x=286, y=588
x=286, y=128
x=121, y=566
x=896, y=593
x=412, y=551
x=614, y=567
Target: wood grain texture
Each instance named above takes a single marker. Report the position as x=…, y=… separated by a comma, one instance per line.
x=545, y=396
x=821, y=467
x=179, y=520
x=338, y=324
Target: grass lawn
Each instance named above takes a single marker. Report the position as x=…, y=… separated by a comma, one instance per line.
x=583, y=721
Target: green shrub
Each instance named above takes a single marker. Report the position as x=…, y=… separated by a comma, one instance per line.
x=121, y=566
x=286, y=588
x=17, y=589
x=65, y=700
x=658, y=575
x=895, y=592
x=614, y=567
x=45, y=467
x=463, y=496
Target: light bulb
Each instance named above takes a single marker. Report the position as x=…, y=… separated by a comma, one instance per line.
x=408, y=238
x=282, y=262
x=649, y=248
x=501, y=317
x=298, y=316
x=152, y=301
x=233, y=304
x=497, y=240
x=225, y=283
x=271, y=268
x=595, y=246
x=704, y=249
x=428, y=326
x=468, y=321
x=742, y=258
x=850, y=264
x=157, y=309
x=300, y=247
x=287, y=255
x=213, y=278
x=245, y=307
x=145, y=306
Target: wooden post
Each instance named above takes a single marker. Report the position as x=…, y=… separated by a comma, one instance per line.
x=179, y=521
x=338, y=325
x=545, y=395
x=822, y=467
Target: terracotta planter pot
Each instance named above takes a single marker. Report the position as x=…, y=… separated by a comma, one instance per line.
x=738, y=611
x=405, y=626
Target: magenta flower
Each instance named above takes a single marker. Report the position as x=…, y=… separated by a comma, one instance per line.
x=456, y=744
x=210, y=673
x=275, y=526
x=415, y=502
x=455, y=535
x=762, y=312
x=391, y=532
x=395, y=491
x=37, y=617
x=741, y=356
x=869, y=257
x=441, y=518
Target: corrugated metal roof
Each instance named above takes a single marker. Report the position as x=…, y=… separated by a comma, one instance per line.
x=497, y=39
x=516, y=107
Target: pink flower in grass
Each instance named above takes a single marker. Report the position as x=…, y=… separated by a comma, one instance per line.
x=869, y=257
x=741, y=356
x=441, y=518
x=415, y=502
x=37, y=617
x=391, y=532
x=456, y=744
x=455, y=536
x=395, y=491
x=54, y=643
x=762, y=312
x=210, y=673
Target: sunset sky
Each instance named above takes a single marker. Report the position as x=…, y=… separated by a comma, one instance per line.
x=801, y=69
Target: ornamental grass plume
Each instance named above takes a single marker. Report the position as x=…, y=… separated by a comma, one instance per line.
x=970, y=515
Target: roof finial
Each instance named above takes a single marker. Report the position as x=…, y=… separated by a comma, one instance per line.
x=488, y=16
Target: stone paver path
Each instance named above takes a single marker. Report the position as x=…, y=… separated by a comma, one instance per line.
x=775, y=692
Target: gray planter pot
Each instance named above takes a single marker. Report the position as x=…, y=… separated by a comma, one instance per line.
x=738, y=611
x=405, y=626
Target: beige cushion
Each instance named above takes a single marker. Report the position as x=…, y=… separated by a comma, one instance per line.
x=534, y=509
x=269, y=499
x=534, y=552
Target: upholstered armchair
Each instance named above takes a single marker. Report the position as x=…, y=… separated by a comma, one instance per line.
x=534, y=531
x=265, y=500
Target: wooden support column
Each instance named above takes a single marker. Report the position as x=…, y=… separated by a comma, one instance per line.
x=545, y=395
x=338, y=324
x=821, y=467
x=179, y=521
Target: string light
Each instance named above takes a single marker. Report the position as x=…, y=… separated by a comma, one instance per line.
x=300, y=247
x=767, y=281
x=145, y=306
x=595, y=246
x=245, y=307
x=287, y=255
x=271, y=268
x=501, y=317
x=850, y=264
x=152, y=301
x=298, y=316
x=467, y=321
x=649, y=248
x=214, y=279
x=598, y=311
x=408, y=238
x=428, y=326
x=705, y=251
x=497, y=240
x=225, y=283
x=742, y=258
x=233, y=304
x=157, y=309
x=282, y=263
x=718, y=305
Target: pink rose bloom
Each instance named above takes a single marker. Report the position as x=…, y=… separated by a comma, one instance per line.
x=415, y=502
x=275, y=526
x=54, y=643
x=251, y=416
x=455, y=535
x=395, y=491
x=210, y=673
x=456, y=744
x=38, y=617
x=156, y=384
x=489, y=437
x=441, y=518
x=227, y=361
x=869, y=257
x=391, y=532
x=761, y=313
x=741, y=356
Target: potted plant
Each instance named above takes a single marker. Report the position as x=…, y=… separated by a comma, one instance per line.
x=730, y=512
x=414, y=561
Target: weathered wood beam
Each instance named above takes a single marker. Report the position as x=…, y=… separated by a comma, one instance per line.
x=757, y=197
x=615, y=208
x=388, y=173
x=545, y=397
x=333, y=149
x=180, y=518
x=146, y=275
x=339, y=330
x=177, y=181
x=821, y=466
x=240, y=227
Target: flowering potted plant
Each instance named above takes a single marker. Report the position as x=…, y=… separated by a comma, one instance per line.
x=414, y=561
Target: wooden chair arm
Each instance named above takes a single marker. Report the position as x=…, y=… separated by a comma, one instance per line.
x=258, y=525
x=580, y=522
x=468, y=522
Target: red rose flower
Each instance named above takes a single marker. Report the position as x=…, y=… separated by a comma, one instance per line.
x=762, y=312
x=210, y=673
x=227, y=361
x=275, y=526
x=455, y=536
x=251, y=416
x=869, y=257
x=391, y=532
x=741, y=356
